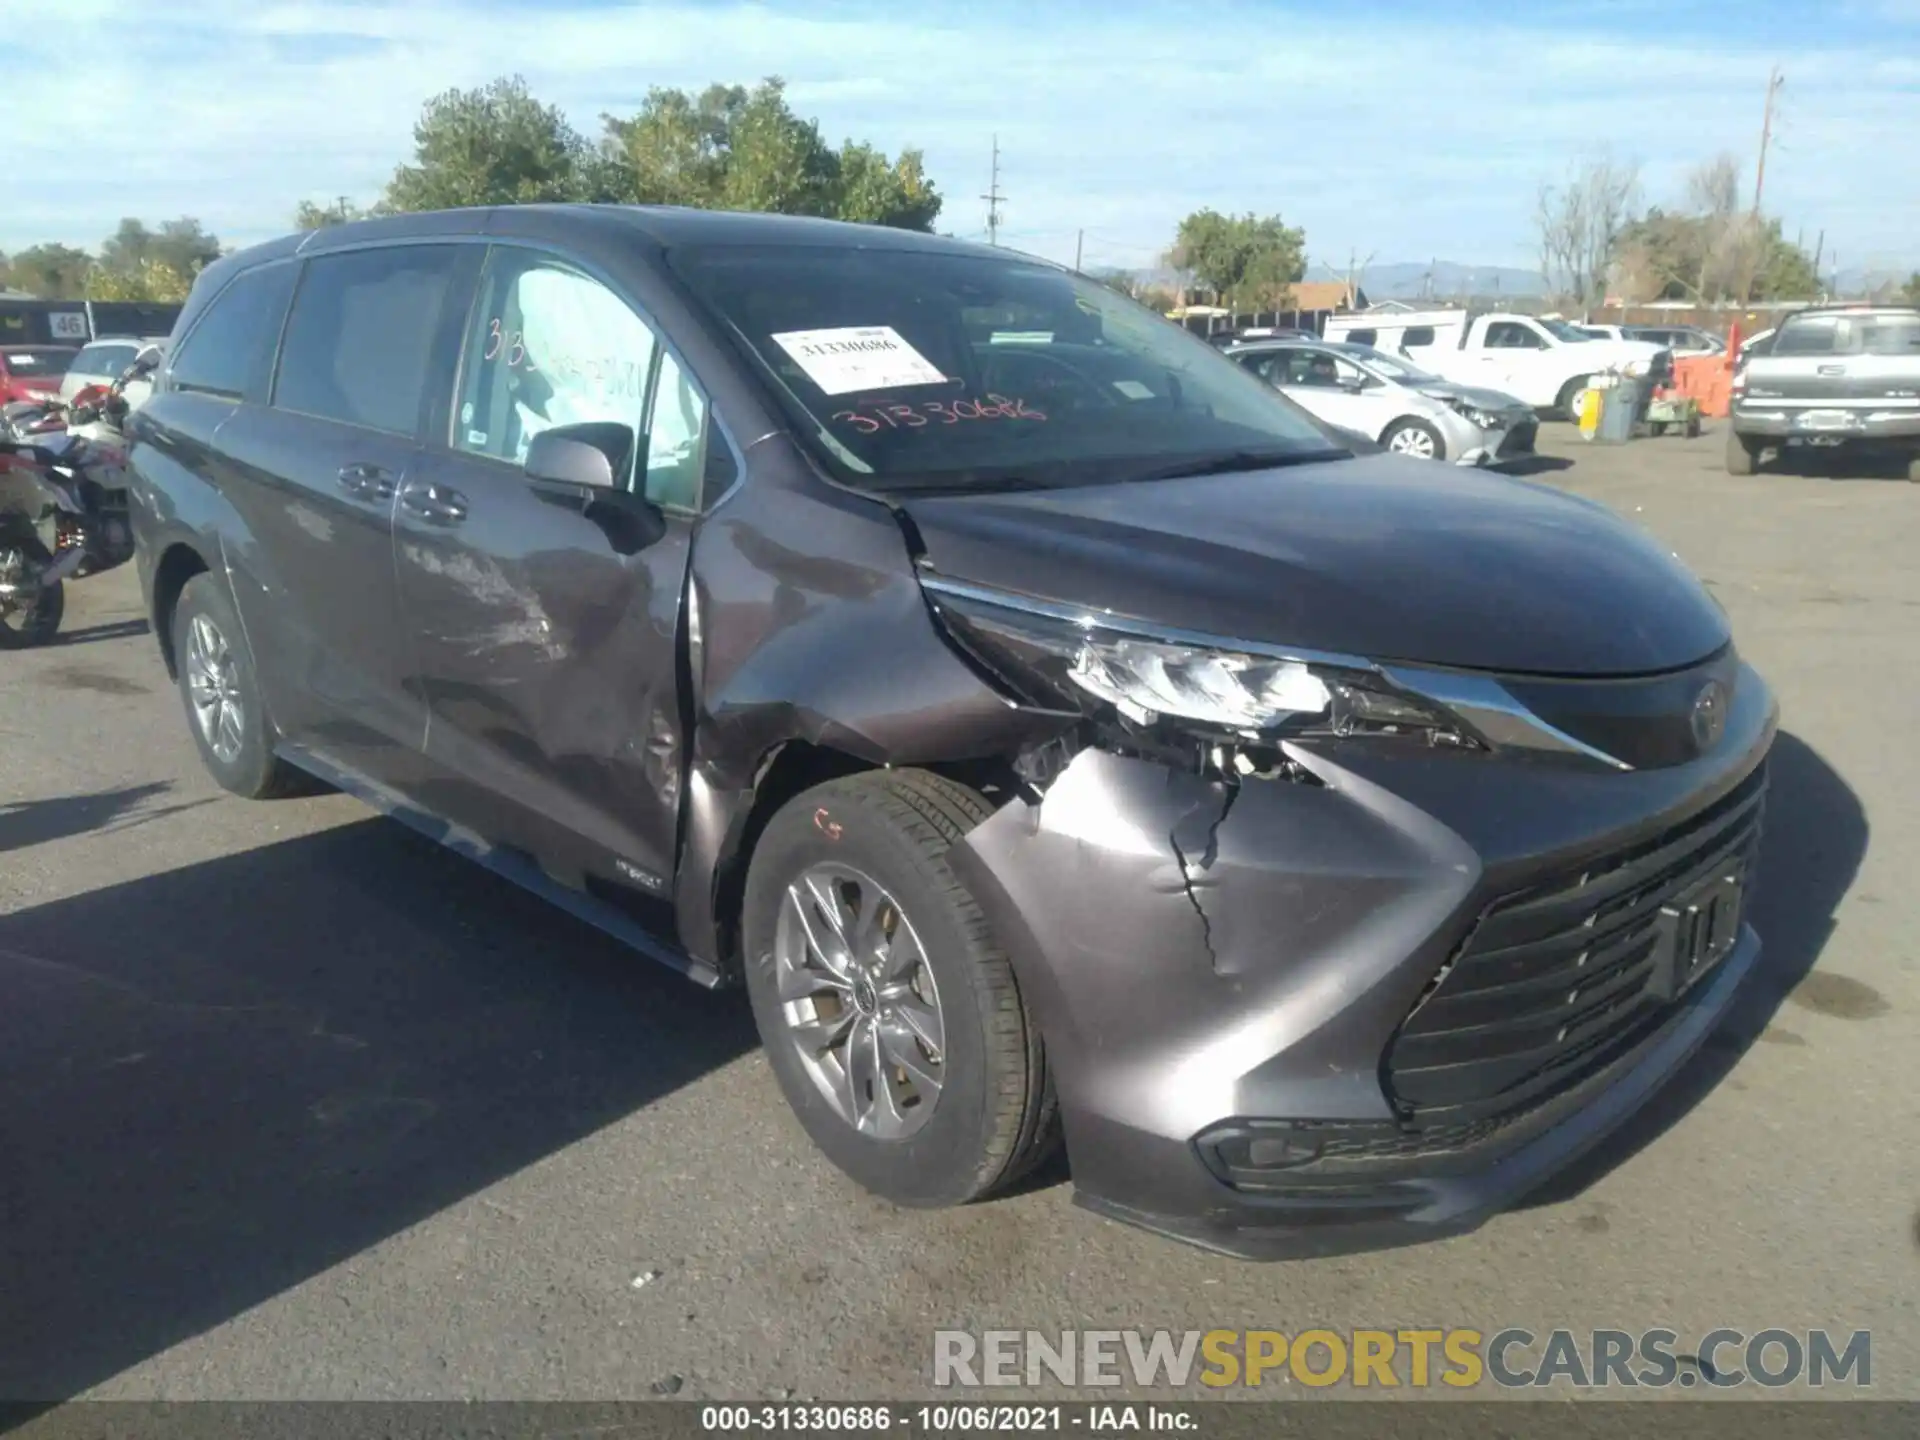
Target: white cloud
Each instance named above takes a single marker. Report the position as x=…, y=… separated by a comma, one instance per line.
x=1430, y=141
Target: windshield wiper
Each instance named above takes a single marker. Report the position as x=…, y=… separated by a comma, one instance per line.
x=1237, y=460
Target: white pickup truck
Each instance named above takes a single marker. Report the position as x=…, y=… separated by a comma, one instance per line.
x=1546, y=363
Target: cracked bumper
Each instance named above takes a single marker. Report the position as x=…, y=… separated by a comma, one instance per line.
x=1194, y=963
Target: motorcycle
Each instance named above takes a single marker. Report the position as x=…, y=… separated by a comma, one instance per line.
x=76, y=479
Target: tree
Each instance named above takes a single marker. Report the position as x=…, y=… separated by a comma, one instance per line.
x=731, y=148
x=1785, y=270
x=179, y=245
x=310, y=216
x=52, y=272
x=1910, y=292
x=1249, y=262
x=1581, y=223
x=495, y=145
x=153, y=279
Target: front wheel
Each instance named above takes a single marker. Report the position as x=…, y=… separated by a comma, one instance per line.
x=1568, y=401
x=30, y=612
x=1416, y=438
x=889, y=1012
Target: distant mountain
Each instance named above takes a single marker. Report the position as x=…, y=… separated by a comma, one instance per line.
x=1409, y=280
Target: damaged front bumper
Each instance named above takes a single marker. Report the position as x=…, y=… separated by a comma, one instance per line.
x=1225, y=973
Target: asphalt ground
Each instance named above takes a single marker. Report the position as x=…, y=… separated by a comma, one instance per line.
x=293, y=1104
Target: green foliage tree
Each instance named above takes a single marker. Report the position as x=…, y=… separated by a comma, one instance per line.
x=309, y=216
x=51, y=272
x=733, y=148
x=1250, y=262
x=181, y=246
x=152, y=279
x=1910, y=292
x=495, y=145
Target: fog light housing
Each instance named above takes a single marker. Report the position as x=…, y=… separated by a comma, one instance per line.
x=1257, y=1154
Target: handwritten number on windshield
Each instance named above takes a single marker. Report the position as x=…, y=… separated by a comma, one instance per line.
x=871, y=419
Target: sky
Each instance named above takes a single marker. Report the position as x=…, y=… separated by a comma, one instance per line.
x=1404, y=131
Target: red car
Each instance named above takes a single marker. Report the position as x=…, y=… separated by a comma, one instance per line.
x=28, y=372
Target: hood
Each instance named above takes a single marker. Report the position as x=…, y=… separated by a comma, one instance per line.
x=1495, y=400
x=1381, y=556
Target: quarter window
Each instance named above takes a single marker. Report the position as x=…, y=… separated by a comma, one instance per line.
x=547, y=345
x=229, y=350
x=1417, y=335
x=360, y=335
x=676, y=440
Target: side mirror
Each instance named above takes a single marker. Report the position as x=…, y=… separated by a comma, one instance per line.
x=593, y=454
x=146, y=362
x=1354, y=384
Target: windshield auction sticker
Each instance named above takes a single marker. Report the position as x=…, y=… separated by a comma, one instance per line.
x=862, y=357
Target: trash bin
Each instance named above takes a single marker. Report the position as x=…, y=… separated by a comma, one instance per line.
x=1619, y=408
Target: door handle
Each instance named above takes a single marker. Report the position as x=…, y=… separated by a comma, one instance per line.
x=437, y=504
x=369, y=482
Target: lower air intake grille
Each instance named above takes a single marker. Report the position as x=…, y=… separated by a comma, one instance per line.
x=1552, y=984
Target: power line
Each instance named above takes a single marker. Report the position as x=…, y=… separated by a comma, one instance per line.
x=993, y=197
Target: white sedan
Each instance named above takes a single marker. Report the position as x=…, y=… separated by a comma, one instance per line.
x=1391, y=400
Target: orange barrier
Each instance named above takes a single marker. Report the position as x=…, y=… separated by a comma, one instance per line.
x=1707, y=379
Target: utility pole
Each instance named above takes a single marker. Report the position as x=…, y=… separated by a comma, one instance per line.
x=1079, y=239
x=1774, y=81
x=993, y=197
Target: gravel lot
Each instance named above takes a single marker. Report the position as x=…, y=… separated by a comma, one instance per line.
x=294, y=1105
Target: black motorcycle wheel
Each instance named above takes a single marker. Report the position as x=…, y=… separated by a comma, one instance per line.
x=24, y=625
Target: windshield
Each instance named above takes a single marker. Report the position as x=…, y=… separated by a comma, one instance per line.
x=913, y=369
x=41, y=360
x=1391, y=366
x=1560, y=330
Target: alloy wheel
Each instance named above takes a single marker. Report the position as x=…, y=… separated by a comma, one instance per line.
x=859, y=1000
x=215, y=690
x=1411, y=441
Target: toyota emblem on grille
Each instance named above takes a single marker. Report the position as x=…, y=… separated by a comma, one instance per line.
x=1709, y=716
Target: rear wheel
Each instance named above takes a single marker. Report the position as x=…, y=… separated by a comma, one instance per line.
x=1416, y=438
x=889, y=1012
x=29, y=613
x=1743, y=453
x=222, y=696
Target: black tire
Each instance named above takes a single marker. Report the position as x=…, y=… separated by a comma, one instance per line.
x=24, y=630
x=1410, y=426
x=253, y=772
x=1743, y=455
x=996, y=1116
x=1569, y=392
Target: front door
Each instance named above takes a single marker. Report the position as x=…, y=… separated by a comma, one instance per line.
x=546, y=642
x=1328, y=387
x=319, y=473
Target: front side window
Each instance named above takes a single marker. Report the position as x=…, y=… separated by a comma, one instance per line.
x=547, y=345
x=1506, y=335
x=926, y=368
x=230, y=347
x=361, y=333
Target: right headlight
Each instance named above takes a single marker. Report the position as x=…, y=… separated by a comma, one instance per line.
x=1212, y=690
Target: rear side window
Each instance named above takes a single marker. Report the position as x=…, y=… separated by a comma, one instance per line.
x=230, y=347
x=1418, y=335
x=1372, y=337
x=361, y=331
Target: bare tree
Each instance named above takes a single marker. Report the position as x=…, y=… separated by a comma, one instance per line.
x=1580, y=223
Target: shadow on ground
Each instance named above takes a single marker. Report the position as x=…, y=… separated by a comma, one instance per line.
x=1537, y=465
x=219, y=1081
x=35, y=822
x=111, y=630
x=1816, y=836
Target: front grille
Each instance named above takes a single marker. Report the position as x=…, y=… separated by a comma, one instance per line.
x=1519, y=440
x=1551, y=984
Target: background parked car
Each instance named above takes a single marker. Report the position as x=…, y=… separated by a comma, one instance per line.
x=1837, y=379
x=104, y=361
x=28, y=372
x=1680, y=339
x=1394, y=402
